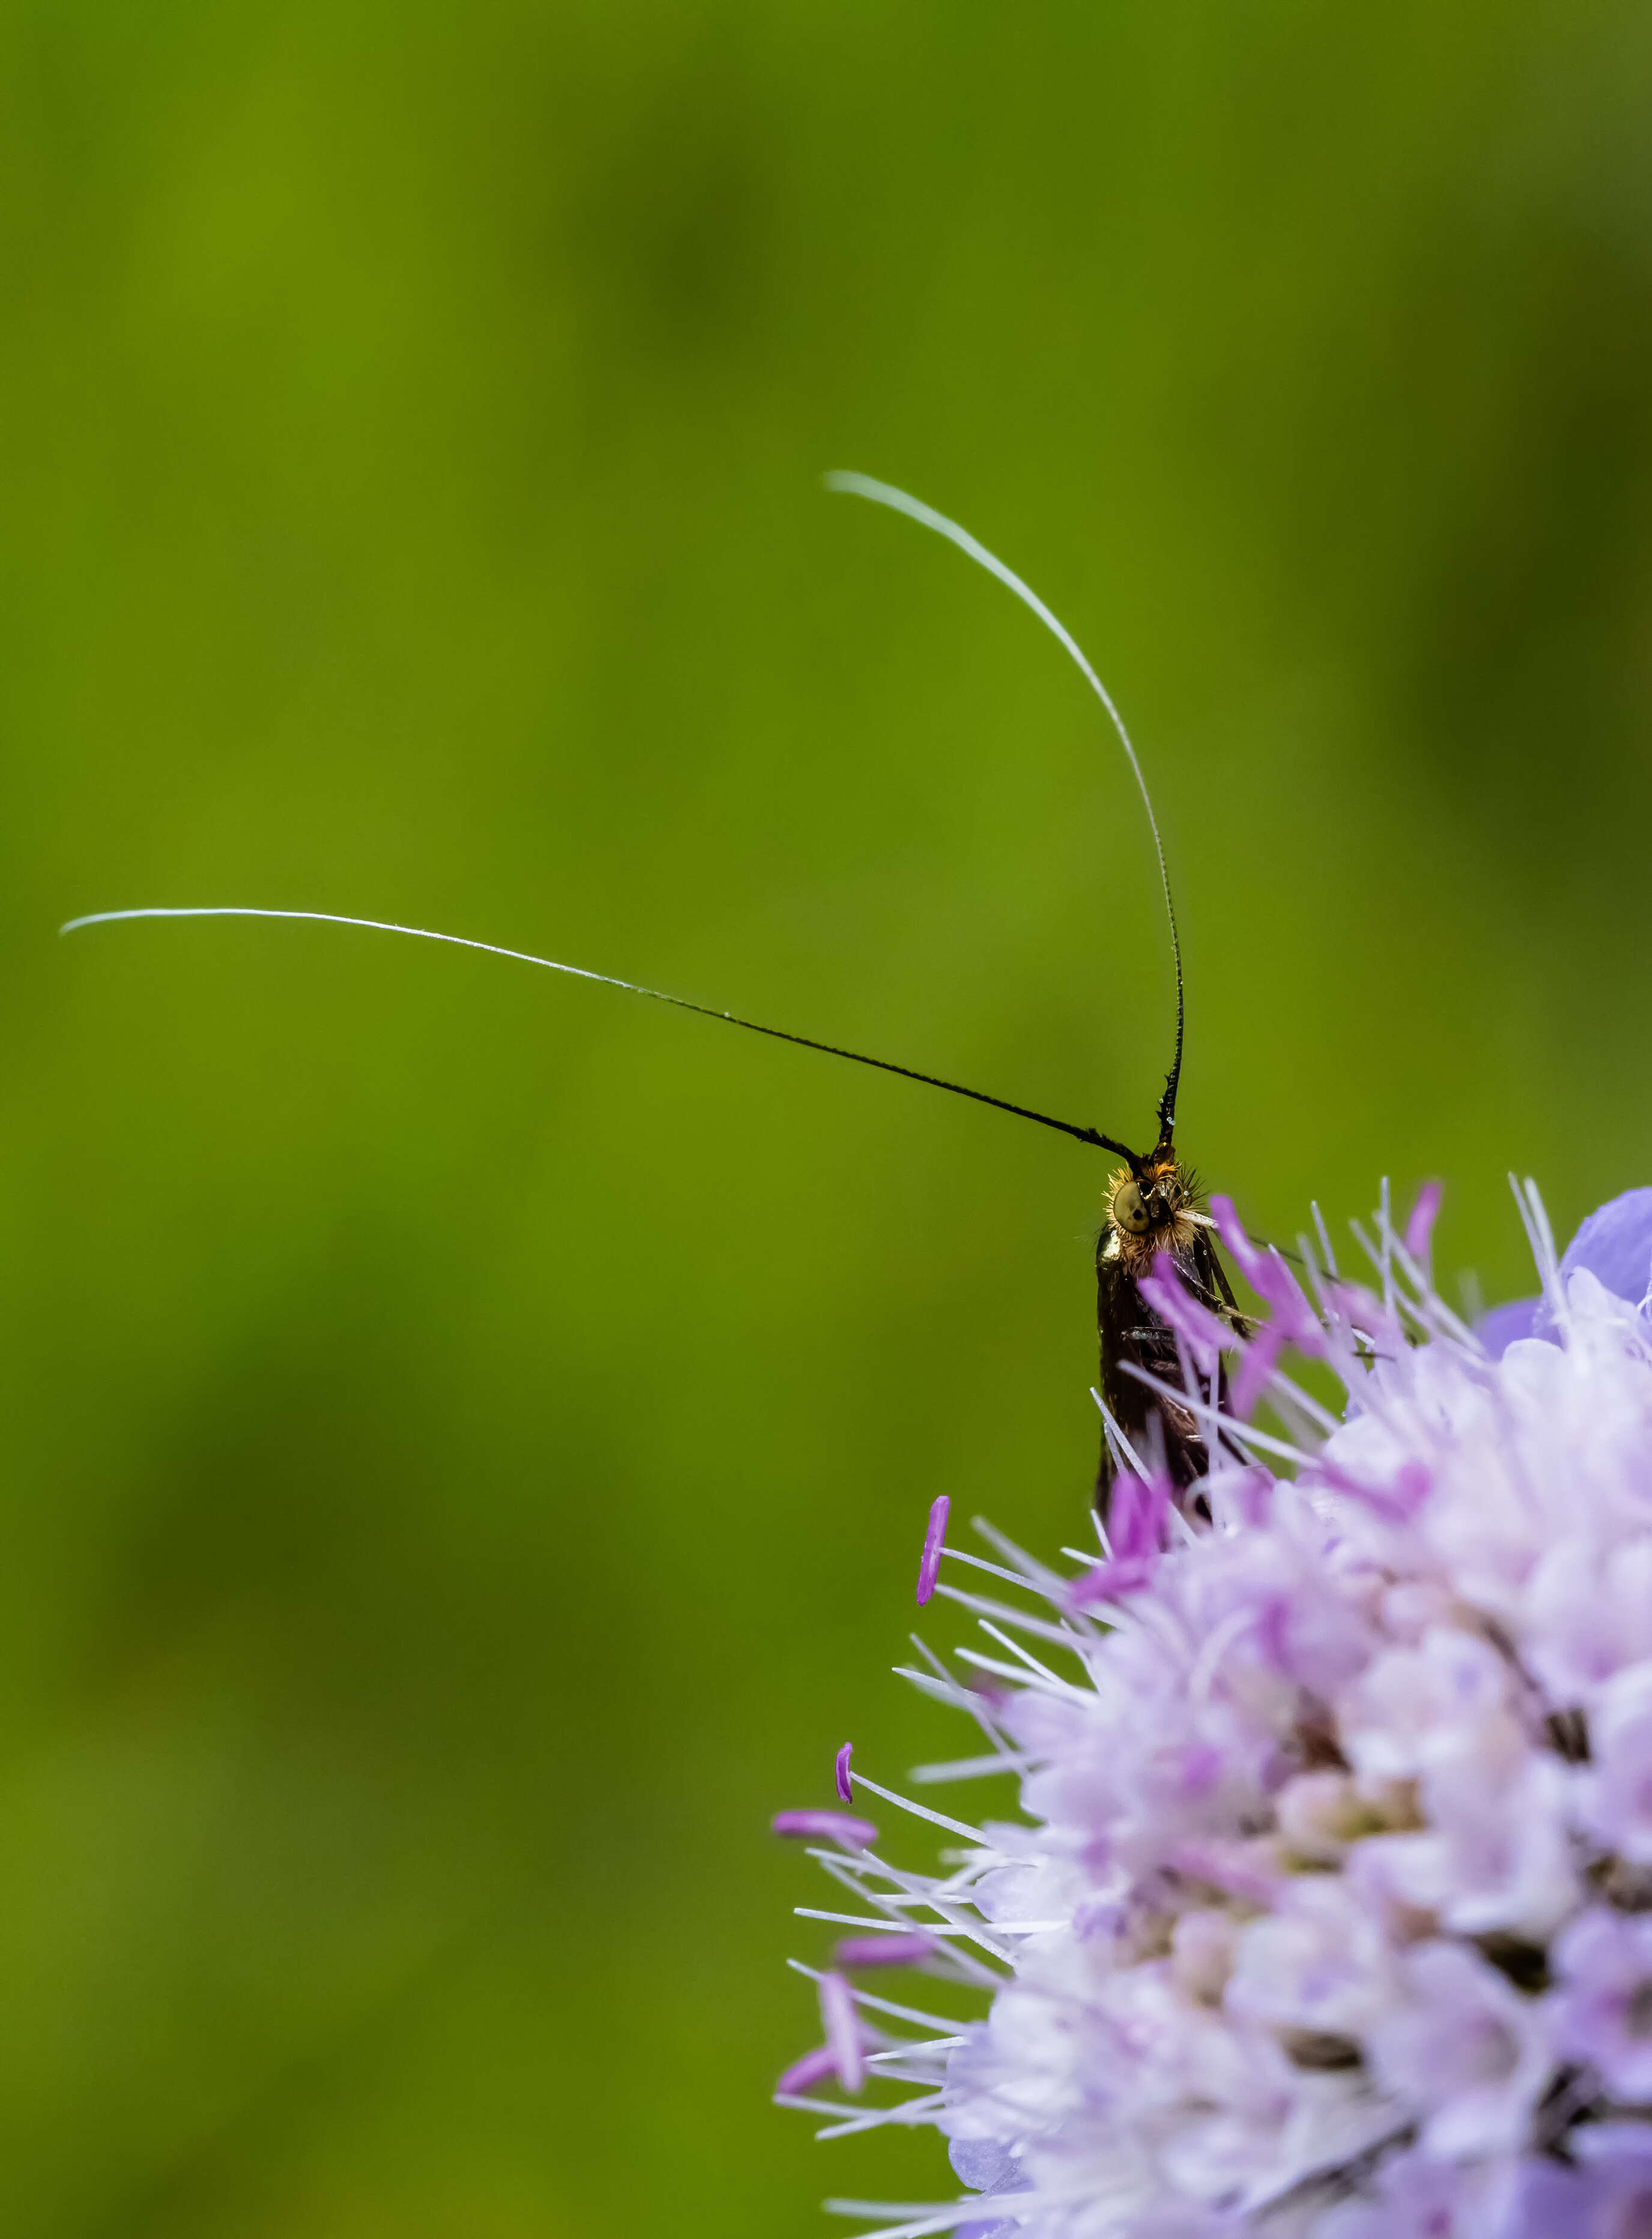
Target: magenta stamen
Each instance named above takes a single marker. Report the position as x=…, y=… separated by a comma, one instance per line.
x=1205, y=1334
x=1266, y=1273
x=813, y=2068
x=1419, y=1229
x=883, y=1951
x=842, y=2027
x=1111, y=1582
x=934, y=1540
x=1255, y=1371
x=827, y=1827
x=1395, y=1504
x=840, y=1773
x=1139, y=1521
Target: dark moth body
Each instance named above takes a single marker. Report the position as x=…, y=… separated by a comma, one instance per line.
x=1152, y=1214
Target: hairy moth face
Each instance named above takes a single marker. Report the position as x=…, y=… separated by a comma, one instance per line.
x=1148, y=1213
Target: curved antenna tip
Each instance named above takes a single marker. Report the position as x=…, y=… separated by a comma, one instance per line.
x=899, y=500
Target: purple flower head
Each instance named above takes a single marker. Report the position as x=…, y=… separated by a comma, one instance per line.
x=1328, y=1910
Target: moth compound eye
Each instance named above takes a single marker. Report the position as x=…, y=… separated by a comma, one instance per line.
x=1130, y=1212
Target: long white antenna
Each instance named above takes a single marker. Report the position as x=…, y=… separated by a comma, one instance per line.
x=897, y=501
x=627, y=987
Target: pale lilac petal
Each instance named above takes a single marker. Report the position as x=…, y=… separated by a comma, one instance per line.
x=1463, y=2042
x=1614, y=1244
x=1419, y=2197
x=1553, y=2200
x=1231, y=1867
x=988, y=2166
x=1616, y=1789
x=1319, y=1962
x=1603, y=1962
x=1502, y=1326
x=1607, y=2195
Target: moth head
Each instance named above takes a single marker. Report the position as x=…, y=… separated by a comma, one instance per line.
x=1145, y=1201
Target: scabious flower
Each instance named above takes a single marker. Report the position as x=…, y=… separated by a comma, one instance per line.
x=1329, y=1914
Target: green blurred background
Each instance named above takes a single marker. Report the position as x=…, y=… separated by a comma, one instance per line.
x=468, y=1434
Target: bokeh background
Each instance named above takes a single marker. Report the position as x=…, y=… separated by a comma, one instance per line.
x=468, y=1434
